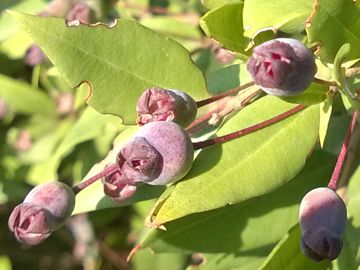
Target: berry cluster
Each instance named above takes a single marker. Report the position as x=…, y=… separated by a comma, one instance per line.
x=161, y=152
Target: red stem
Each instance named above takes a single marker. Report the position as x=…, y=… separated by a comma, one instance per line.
x=105, y=172
x=245, y=131
x=230, y=92
x=333, y=183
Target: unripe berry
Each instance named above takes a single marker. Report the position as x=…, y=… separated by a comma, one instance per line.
x=160, y=153
x=157, y=104
x=44, y=209
x=282, y=67
x=322, y=221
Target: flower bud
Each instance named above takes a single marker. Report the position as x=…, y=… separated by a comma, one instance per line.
x=81, y=12
x=157, y=104
x=118, y=187
x=322, y=221
x=44, y=209
x=282, y=67
x=34, y=55
x=174, y=146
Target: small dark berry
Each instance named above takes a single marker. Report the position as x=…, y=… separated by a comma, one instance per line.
x=282, y=67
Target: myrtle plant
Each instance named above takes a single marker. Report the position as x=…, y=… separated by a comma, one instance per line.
x=225, y=133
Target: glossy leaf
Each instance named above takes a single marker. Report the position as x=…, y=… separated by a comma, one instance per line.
x=325, y=114
x=246, y=167
x=115, y=61
x=225, y=25
x=239, y=228
x=282, y=15
x=287, y=255
x=335, y=18
x=145, y=260
x=314, y=94
x=217, y=3
x=226, y=78
x=23, y=98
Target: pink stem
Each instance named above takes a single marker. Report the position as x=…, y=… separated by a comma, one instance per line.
x=230, y=92
x=107, y=171
x=245, y=131
x=333, y=183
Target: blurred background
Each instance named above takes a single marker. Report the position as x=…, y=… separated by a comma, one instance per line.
x=47, y=132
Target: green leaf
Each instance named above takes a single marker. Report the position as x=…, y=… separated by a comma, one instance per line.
x=183, y=32
x=5, y=263
x=340, y=77
x=250, y=260
x=118, y=62
x=239, y=228
x=314, y=94
x=225, y=25
x=217, y=3
x=83, y=130
x=335, y=18
x=338, y=71
x=226, y=78
x=23, y=98
x=145, y=260
x=287, y=255
x=95, y=191
x=248, y=166
x=286, y=16
x=325, y=114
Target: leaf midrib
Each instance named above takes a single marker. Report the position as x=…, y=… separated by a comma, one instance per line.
x=245, y=159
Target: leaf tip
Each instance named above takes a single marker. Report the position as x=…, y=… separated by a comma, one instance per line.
x=133, y=252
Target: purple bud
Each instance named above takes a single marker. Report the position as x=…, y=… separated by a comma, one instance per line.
x=157, y=104
x=175, y=147
x=34, y=55
x=282, y=67
x=322, y=221
x=30, y=223
x=44, y=209
x=80, y=12
x=118, y=187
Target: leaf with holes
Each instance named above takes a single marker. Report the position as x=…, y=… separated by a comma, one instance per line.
x=118, y=63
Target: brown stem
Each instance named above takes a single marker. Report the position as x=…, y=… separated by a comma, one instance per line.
x=333, y=183
x=105, y=172
x=230, y=92
x=248, y=130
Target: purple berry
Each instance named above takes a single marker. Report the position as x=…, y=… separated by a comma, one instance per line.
x=322, y=220
x=139, y=160
x=44, y=209
x=175, y=147
x=157, y=104
x=282, y=67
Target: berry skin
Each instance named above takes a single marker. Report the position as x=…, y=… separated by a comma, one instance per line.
x=282, y=67
x=322, y=221
x=159, y=154
x=44, y=209
x=157, y=104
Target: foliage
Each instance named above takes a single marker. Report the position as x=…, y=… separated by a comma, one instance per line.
x=237, y=208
